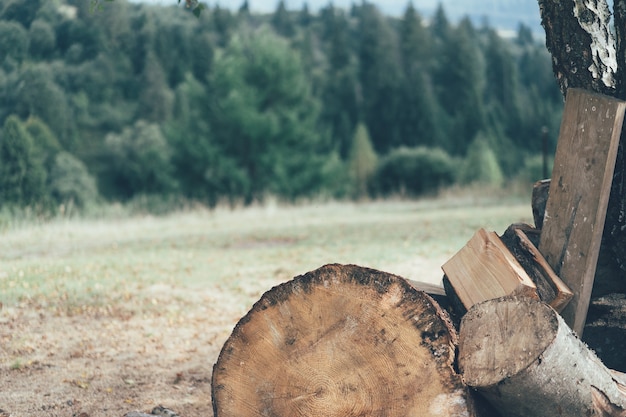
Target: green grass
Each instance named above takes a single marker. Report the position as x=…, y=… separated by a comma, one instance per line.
x=79, y=264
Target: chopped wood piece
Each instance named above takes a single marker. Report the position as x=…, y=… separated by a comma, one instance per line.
x=484, y=269
x=341, y=341
x=520, y=354
x=579, y=194
x=550, y=288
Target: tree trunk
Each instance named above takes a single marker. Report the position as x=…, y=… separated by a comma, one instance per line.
x=525, y=360
x=585, y=55
x=341, y=341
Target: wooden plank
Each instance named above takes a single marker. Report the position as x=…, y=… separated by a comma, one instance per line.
x=485, y=269
x=579, y=194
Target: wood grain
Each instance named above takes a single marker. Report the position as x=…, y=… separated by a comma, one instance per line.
x=484, y=269
x=341, y=341
x=579, y=194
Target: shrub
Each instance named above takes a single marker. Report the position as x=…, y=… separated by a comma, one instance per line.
x=139, y=161
x=70, y=182
x=414, y=171
x=481, y=164
x=533, y=169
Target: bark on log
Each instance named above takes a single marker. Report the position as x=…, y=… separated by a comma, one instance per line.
x=341, y=341
x=526, y=361
x=605, y=331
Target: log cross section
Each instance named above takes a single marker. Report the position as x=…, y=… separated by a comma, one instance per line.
x=341, y=341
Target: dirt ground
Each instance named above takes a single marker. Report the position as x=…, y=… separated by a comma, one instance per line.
x=115, y=358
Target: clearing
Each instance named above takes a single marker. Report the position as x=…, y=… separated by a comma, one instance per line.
x=103, y=317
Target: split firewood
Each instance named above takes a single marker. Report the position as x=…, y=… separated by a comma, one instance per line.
x=484, y=269
x=341, y=340
x=519, y=239
x=521, y=355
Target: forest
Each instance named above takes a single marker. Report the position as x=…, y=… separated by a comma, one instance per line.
x=121, y=102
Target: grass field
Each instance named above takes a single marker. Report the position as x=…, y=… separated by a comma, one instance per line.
x=90, y=262
x=103, y=317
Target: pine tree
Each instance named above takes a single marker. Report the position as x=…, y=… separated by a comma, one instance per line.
x=281, y=21
x=379, y=73
x=363, y=161
x=418, y=117
x=22, y=180
x=339, y=93
x=457, y=80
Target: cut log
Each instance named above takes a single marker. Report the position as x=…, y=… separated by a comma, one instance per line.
x=550, y=288
x=579, y=194
x=520, y=354
x=341, y=341
x=484, y=269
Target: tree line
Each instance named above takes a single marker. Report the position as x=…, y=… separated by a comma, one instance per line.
x=133, y=100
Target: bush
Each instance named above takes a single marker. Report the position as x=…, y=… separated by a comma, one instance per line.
x=481, y=164
x=139, y=162
x=414, y=171
x=533, y=169
x=71, y=183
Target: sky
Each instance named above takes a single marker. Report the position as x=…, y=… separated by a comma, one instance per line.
x=507, y=13
x=390, y=7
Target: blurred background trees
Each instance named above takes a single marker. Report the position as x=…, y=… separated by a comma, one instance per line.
x=135, y=100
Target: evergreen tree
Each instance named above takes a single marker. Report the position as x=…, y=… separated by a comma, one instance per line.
x=379, y=72
x=42, y=40
x=204, y=173
x=339, y=95
x=457, y=82
x=13, y=43
x=224, y=24
x=440, y=25
x=415, y=42
x=418, y=116
x=22, y=180
x=155, y=99
x=281, y=21
x=363, y=161
x=266, y=119
x=305, y=17
x=40, y=96
x=501, y=72
x=45, y=144
x=244, y=9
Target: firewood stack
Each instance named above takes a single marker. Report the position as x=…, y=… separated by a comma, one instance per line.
x=501, y=337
